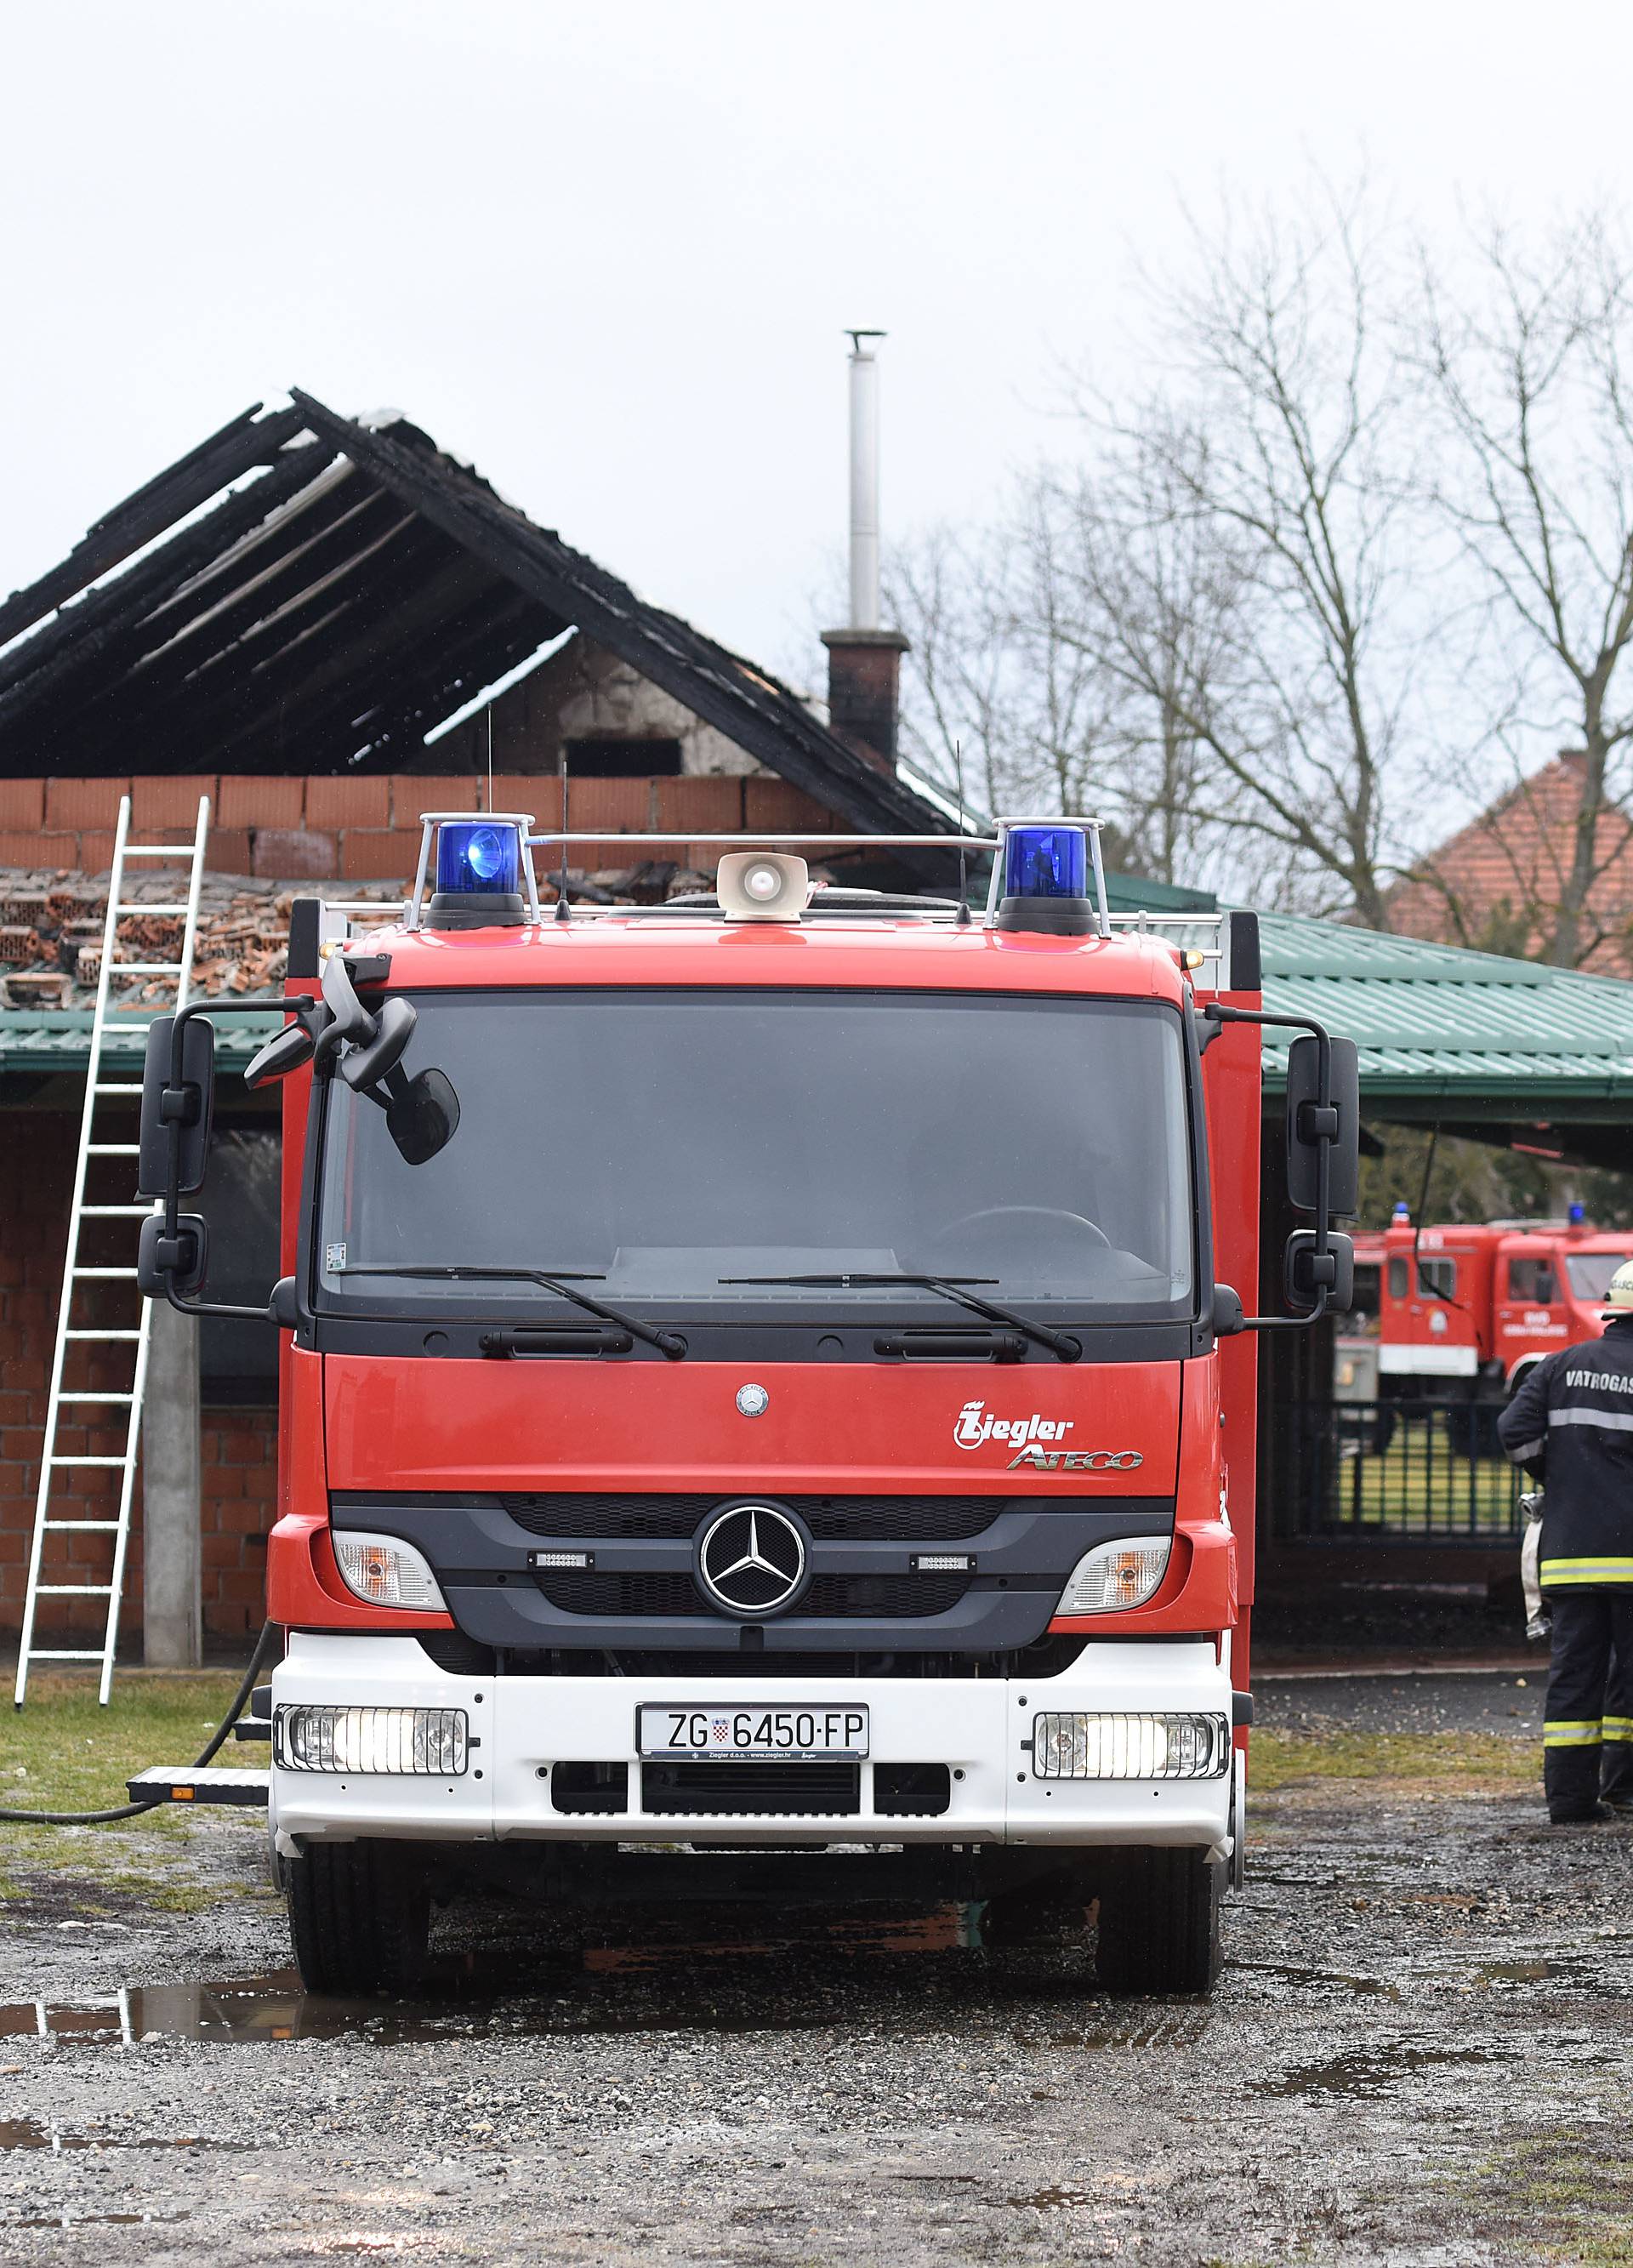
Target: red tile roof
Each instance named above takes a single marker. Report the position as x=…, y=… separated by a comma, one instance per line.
x=1496, y=883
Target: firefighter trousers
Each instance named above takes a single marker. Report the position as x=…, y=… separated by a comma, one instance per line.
x=1587, y=1731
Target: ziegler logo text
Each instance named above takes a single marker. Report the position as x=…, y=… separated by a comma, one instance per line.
x=974, y=1427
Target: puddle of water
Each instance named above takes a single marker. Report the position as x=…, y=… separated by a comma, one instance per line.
x=1057, y=2199
x=87, y=2220
x=482, y=1995
x=1371, y=2074
x=29, y=2134
x=1369, y=1985
x=1526, y=1972
x=942, y=1929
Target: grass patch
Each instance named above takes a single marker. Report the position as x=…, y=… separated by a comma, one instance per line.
x=1420, y=1485
x=1450, y=1760
x=1564, y=2197
x=62, y=1752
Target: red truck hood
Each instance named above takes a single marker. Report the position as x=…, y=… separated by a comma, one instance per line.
x=1108, y=1429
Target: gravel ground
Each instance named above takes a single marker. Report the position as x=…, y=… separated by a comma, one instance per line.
x=1421, y=2053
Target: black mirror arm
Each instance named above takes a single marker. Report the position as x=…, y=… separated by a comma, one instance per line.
x=1218, y=1014
x=304, y=1003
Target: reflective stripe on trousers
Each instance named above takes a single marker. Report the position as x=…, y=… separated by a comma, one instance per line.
x=1561, y=1733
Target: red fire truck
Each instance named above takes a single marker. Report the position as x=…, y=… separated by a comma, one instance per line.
x=1465, y=1309
x=764, y=1408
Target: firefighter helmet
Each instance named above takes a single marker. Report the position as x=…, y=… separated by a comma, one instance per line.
x=1619, y=1291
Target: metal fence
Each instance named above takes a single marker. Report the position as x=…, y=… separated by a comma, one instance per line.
x=1396, y=1470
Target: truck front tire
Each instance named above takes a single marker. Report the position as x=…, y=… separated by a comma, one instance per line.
x=359, y=1917
x=1159, y=1923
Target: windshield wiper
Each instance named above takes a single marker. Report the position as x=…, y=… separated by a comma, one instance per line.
x=1067, y=1349
x=666, y=1341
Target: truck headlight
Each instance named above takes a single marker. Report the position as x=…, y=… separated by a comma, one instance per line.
x=1092, y=1744
x=1115, y=1575
x=308, y=1736
x=386, y=1572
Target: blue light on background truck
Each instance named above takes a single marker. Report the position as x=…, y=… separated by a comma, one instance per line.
x=477, y=857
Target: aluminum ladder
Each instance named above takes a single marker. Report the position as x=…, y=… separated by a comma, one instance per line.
x=55, y=1505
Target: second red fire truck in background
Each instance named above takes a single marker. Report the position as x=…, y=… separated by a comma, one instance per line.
x=1459, y=1312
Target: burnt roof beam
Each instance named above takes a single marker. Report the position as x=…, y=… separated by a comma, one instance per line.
x=111, y=627
x=238, y=448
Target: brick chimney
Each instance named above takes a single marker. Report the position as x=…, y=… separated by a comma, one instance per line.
x=863, y=677
x=864, y=661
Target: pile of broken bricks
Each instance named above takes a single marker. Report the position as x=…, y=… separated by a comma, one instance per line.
x=52, y=924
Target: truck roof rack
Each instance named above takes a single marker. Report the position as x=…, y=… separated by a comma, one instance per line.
x=1201, y=936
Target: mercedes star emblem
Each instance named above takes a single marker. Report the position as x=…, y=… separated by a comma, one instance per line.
x=751, y=1559
x=752, y=1401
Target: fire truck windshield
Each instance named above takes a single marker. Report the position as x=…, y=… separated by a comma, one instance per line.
x=650, y=1144
x=1590, y=1272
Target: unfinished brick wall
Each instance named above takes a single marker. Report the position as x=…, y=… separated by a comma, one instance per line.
x=239, y=1446
x=367, y=830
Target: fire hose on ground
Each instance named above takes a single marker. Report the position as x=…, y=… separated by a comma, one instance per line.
x=240, y=1701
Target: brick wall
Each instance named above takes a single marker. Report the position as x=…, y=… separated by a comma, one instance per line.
x=239, y=1446
x=368, y=830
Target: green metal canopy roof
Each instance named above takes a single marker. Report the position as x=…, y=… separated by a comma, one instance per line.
x=1474, y=1042
x=1445, y=1033
x=59, y=1039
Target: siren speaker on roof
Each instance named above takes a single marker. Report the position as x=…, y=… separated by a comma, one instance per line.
x=762, y=886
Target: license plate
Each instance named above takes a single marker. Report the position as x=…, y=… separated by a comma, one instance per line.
x=760, y=1733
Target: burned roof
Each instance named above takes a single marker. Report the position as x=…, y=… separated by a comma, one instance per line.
x=308, y=592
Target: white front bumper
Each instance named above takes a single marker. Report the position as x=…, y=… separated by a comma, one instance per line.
x=521, y=1726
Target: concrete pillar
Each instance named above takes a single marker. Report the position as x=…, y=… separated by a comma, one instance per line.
x=172, y=1496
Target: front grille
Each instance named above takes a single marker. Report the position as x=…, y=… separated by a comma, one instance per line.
x=1049, y=1657
x=867, y=1518
x=831, y=1598
x=883, y=1598
x=743, y=1790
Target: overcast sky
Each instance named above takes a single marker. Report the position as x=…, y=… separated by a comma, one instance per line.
x=608, y=251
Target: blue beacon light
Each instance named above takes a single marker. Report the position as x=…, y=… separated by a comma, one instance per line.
x=479, y=876
x=477, y=857
x=1046, y=881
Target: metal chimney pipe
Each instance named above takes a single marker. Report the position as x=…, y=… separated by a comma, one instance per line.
x=864, y=481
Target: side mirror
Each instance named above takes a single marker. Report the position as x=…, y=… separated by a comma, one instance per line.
x=349, y=1024
x=176, y=1115
x=1314, y=1125
x=177, y=1264
x=367, y=1064
x=283, y=1053
x=421, y=1115
x=1307, y=1273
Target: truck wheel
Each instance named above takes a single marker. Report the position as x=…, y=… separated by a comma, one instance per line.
x=359, y=1915
x=1159, y=1923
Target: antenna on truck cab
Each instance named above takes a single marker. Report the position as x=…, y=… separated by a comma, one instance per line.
x=563, y=911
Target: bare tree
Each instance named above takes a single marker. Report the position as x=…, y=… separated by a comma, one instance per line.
x=1275, y=459
x=1154, y=602
x=995, y=682
x=1531, y=362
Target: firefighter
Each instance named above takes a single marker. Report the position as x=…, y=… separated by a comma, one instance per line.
x=1571, y=1424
